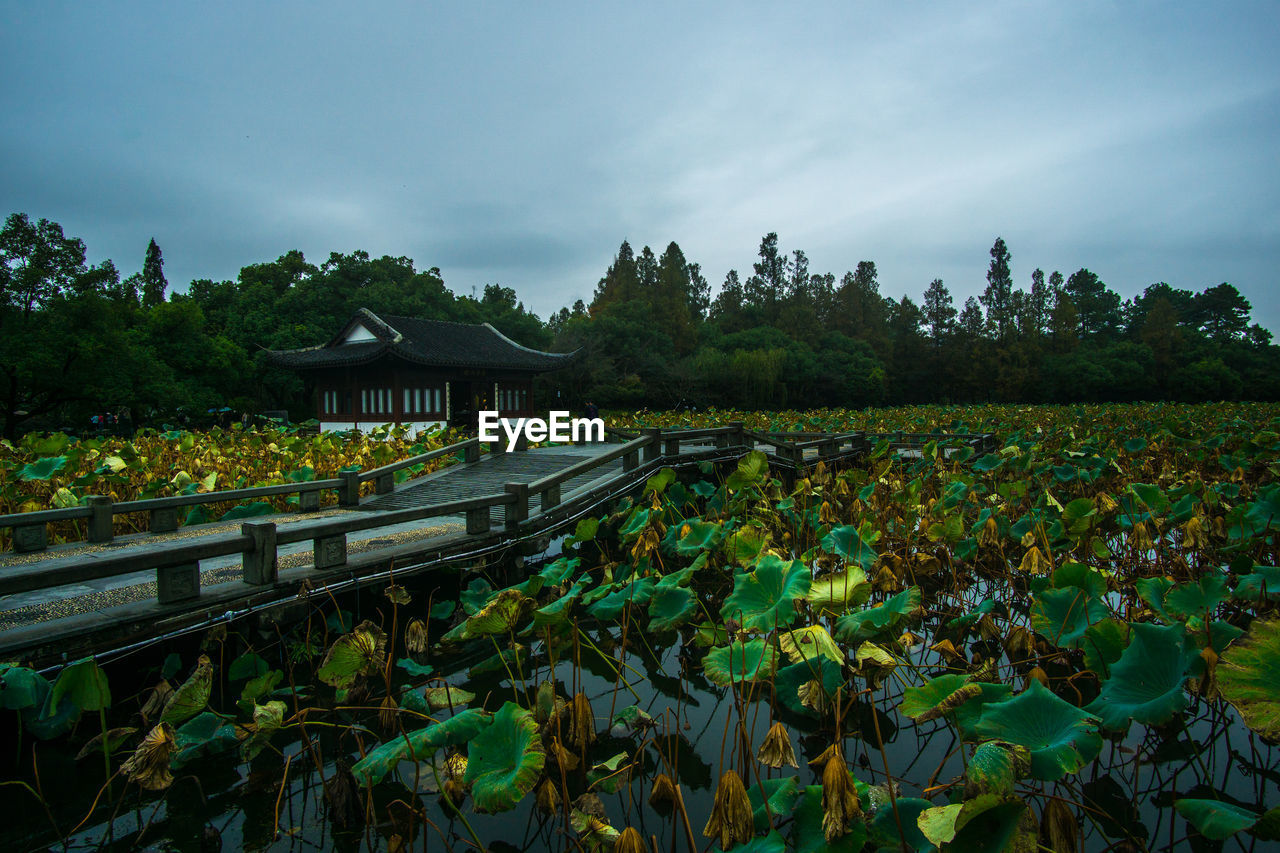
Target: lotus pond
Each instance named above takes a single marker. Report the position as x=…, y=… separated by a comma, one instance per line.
x=1069, y=644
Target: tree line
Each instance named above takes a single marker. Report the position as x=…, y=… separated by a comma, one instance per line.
x=78, y=339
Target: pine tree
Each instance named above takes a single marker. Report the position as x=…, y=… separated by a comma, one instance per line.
x=153, y=281
x=999, y=293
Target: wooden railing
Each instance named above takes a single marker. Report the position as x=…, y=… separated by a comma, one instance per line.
x=30, y=529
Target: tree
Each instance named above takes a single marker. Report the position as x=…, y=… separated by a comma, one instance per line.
x=1064, y=323
x=939, y=312
x=153, y=281
x=1097, y=306
x=997, y=298
x=621, y=283
x=768, y=287
x=1161, y=334
x=1222, y=313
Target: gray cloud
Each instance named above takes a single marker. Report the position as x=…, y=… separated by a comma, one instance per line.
x=522, y=144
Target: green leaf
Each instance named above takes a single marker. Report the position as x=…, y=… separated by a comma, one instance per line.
x=1215, y=819
x=1062, y=616
x=412, y=667
x=1103, y=643
x=834, y=593
x=42, y=469
x=502, y=614
x=172, y=665
x=929, y=697
x=1061, y=737
x=1263, y=581
x=1199, y=598
x=638, y=592
x=353, y=656
x=191, y=697
x=248, y=665
x=419, y=745
x=754, y=660
x=205, y=734
x=888, y=616
x=806, y=829
x=1249, y=677
x=765, y=599
x=558, y=611
x=21, y=688
x=847, y=542
x=84, y=684
x=442, y=609
x=657, y=484
x=267, y=719
x=996, y=766
x=885, y=831
x=671, y=607
x=781, y=795
x=697, y=536
x=751, y=470
x=771, y=843
x=252, y=510
x=1146, y=684
x=504, y=760
x=447, y=697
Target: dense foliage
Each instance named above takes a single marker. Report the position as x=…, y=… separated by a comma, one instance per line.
x=78, y=340
x=1070, y=642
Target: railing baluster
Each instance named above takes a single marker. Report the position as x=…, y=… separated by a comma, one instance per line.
x=516, y=512
x=100, y=520
x=260, y=566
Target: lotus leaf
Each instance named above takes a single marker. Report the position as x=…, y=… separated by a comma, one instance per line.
x=811, y=686
x=1249, y=677
x=754, y=660
x=765, y=599
x=926, y=700
x=671, y=607
x=191, y=697
x=1103, y=643
x=504, y=760
x=1062, y=738
x=502, y=614
x=836, y=592
x=1199, y=598
x=1062, y=616
x=697, y=536
x=886, y=832
x=887, y=616
x=751, y=470
x=353, y=656
x=558, y=611
x=806, y=829
x=1146, y=684
x=847, y=542
x=84, y=684
x=801, y=644
x=996, y=766
x=248, y=665
x=205, y=734
x=638, y=592
x=419, y=745
x=1263, y=581
x=1215, y=819
x=780, y=794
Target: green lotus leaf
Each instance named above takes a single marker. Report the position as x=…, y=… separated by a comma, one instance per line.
x=1152, y=591
x=509, y=660
x=419, y=745
x=1249, y=677
x=638, y=592
x=1062, y=616
x=1082, y=577
x=771, y=843
x=1151, y=497
x=504, y=760
x=752, y=469
x=84, y=684
x=1062, y=738
x=930, y=696
x=353, y=656
x=1103, y=643
x=703, y=489
x=43, y=469
x=781, y=796
x=816, y=680
x=21, y=688
x=836, y=592
x=191, y=696
x=754, y=660
x=801, y=644
x=1264, y=513
x=502, y=614
x=887, y=834
x=412, y=667
x=476, y=595
x=765, y=599
x=986, y=822
x=996, y=766
x=1264, y=581
x=267, y=719
x=847, y=542
x=1221, y=635
x=558, y=611
x=887, y=616
x=636, y=522
x=584, y=532
x=671, y=607
x=968, y=619
x=252, y=510
x=1146, y=684
x=248, y=665
x=560, y=571
x=446, y=696
x=657, y=484
x=1215, y=819
x=1198, y=598
x=806, y=829
x=697, y=536
x=683, y=577
x=744, y=545
x=202, y=735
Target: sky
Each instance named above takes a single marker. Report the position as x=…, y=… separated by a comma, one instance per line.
x=522, y=143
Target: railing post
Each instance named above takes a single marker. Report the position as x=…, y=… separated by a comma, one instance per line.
x=653, y=448
x=329, y=551
x=349, y=491
x=738, y=438
x=471, y=453
x=478, y=520
x=177, y=583
x=30, y=537
x=163, y=520
x=517, y=512
x=522, y=442
x=385, y=484
x=671, y=446
x=100, y=520
x=260, y=561
x=630, y=461
x=309, y=500
x=551, y=497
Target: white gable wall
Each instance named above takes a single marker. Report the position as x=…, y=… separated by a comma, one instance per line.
x=358, y=333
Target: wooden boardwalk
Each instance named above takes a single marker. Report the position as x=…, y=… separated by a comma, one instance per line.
x=68, y=601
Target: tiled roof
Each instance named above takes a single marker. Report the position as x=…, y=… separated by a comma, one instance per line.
x=435, y=343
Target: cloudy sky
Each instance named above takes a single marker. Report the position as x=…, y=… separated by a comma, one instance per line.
x=521, y=143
